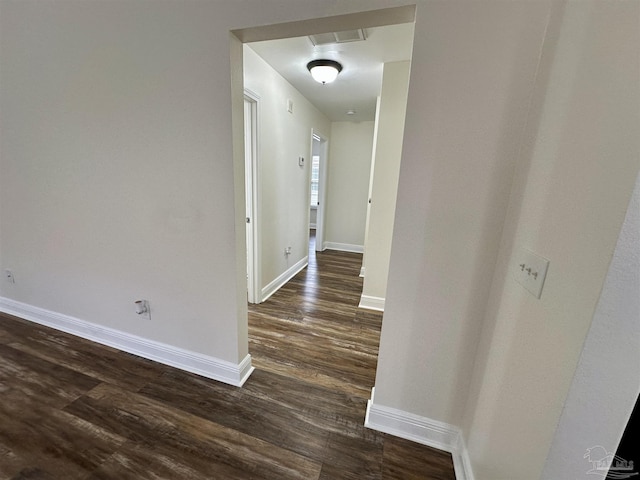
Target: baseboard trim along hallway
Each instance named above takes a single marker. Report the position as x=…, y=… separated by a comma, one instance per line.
x=344, y=247
x=204, y=365
x=372, y=303
x=283, y=278
x=421, y=430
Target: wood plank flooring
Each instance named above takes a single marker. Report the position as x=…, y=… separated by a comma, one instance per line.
x=72, y=409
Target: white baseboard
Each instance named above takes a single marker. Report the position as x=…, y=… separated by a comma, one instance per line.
x=425, y=431
x=372, y=303
x=283, y=278
x=344, y=247
x=462, y=462
x=361, y=272
x=204, y=365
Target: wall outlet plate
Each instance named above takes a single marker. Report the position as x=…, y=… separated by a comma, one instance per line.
x=530, y=271
x=143, y=308
x=9, y=276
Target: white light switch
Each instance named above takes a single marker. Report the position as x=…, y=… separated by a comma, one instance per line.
x=530, y=271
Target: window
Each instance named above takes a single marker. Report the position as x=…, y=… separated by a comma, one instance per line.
x=315, y=175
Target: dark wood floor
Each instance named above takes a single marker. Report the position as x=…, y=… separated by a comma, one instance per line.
x=71, y=409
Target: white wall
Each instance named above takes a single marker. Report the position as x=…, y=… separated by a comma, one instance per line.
x=313, y=217
x=572, y=187
x=283, y=186
x=390, y=120
x=116, y=168
x=348, y=182
x=466, y=109
x=607, y=380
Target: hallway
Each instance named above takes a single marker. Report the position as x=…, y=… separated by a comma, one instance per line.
x=311, y=329
x=312, y=336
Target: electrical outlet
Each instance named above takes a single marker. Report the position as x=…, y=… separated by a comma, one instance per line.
x=143, y=309
x=8, y=274
x=287, y=251
x=530, y=271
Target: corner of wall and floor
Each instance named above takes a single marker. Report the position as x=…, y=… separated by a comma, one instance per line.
x=204, y=365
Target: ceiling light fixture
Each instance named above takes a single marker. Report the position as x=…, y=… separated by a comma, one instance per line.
x=324, y=71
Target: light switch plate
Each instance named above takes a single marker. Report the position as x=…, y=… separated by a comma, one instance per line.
x=530, y=271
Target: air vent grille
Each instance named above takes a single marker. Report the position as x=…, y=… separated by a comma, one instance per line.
x=338, y=37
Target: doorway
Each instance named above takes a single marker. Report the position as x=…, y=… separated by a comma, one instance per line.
x=283, y=223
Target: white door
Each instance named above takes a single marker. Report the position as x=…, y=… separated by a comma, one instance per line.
x=321, y=146
x=250, y=105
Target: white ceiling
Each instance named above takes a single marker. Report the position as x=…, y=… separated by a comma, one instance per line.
x=358, y=85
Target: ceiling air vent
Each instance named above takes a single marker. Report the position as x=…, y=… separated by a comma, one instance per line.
x=338, y=37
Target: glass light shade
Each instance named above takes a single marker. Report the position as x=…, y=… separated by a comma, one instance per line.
x=324, y=71
x=324, y=74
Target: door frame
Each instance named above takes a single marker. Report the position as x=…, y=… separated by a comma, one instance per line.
x=322, y=188
x=252, y=213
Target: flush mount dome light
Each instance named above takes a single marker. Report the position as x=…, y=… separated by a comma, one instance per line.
x=324, y=71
